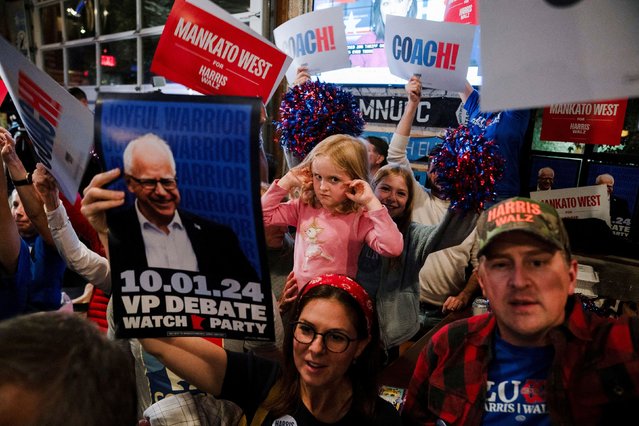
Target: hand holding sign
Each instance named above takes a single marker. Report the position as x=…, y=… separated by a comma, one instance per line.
x=98, y=200
x=302, y=75
x=414, y=88
x=46, y=187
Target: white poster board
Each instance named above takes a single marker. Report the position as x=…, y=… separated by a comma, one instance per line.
x=59, y=126
x=439, y=51
x=578, y=203
x=316, y=39
x=536, y=54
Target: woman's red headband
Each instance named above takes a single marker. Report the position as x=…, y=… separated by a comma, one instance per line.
x=347, y=284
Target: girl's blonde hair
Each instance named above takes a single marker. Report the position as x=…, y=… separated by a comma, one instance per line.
x=349, y=154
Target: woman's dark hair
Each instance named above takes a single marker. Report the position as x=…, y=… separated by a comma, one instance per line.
x=363, y=372
x=78, y=93
x=378, y=23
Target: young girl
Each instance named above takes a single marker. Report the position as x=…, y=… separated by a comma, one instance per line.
x=336, y=213
x=394, y=283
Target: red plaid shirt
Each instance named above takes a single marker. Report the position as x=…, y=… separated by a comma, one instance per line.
x=594, y=378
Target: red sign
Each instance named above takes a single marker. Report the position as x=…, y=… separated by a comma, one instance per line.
x=462, y=12
x=3, y=91
x=107, y=60
x=214, y=54
x=597, y=123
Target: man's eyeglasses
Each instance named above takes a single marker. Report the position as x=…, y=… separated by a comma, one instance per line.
x=167, y=183
x=334, y=341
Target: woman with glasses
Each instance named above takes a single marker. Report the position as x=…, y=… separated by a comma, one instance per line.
x=330, y=360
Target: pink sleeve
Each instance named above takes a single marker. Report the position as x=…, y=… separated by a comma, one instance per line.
x=276, y=212
x=383, y=236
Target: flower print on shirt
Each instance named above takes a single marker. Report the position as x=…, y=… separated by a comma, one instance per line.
x=314, y=248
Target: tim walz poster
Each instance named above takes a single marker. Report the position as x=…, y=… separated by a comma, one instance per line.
x=186, y=249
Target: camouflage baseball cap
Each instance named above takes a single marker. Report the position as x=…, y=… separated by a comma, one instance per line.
x=526, y=215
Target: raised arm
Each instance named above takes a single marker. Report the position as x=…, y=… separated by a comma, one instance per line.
x=414, y=94
x=400, y=139
x=194, y=359
x=399, y=142
x=89, y=264
x=451, y=231
x=10, y=246
x=276, y=212
x=468, y=89
x=28, y=196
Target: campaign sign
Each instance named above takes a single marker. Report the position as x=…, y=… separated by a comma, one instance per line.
x=205, y=273
x=537, y=53
x=577, y=203
x=316, y=39
x=206, y=49
x=462, y=12
x=59, y=126
x=439, y=51
x=3, y=91
x=586, y=122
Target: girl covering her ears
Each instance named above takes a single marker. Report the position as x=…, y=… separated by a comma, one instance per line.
x=337, y=212
x=329, y=370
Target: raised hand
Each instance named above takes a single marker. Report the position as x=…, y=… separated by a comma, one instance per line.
x=289, y=293
x=414, y=88
x=297, y=177
x=302, y=75
x=360, y=192
x=46, y=187
x=98, y=200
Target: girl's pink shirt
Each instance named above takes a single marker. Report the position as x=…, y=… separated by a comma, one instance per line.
x=327, y=242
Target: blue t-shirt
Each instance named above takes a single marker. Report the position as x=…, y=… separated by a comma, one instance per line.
x=47, y=272
x=516, y=388
x=14, y=288
x=508, y=129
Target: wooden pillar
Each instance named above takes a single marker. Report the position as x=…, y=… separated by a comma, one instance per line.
x=284, y=10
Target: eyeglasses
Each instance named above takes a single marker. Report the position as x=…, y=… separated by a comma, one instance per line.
x=335, y=341
x=167, y=183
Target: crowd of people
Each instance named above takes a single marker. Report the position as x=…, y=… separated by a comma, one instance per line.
x=361, y=255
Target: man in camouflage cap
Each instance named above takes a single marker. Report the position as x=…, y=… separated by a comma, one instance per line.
x=525, y=215
x=537, y=356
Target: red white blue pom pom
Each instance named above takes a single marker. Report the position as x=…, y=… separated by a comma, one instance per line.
x=467, y=167
x=311, y=112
